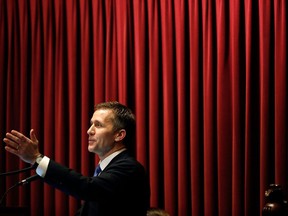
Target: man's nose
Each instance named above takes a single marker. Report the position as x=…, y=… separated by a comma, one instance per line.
x=90, y=130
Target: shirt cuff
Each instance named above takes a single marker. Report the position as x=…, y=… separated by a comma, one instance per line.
x=42, y=167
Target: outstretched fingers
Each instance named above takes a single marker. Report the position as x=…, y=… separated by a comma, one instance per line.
x=11, y=141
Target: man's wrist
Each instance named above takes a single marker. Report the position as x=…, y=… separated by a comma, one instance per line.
x=38, y=160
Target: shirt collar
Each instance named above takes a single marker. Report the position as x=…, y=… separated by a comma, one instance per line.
x=108, y=159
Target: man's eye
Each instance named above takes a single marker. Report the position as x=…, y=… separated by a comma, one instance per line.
x=97, y=124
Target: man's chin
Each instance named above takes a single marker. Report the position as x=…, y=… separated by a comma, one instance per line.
x=93, y=150
x=90, y=149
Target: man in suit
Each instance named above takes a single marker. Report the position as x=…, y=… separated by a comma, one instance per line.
x=119, y=185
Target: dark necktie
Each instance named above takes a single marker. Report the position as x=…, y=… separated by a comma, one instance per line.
x=97, y=170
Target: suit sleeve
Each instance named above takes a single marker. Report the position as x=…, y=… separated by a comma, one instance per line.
x=117, y=178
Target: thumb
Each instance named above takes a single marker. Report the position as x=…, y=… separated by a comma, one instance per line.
x=33, y=136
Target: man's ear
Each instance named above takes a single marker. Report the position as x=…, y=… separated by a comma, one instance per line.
x=120, y=135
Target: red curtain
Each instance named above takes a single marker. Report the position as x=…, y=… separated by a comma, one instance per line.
x=206, y=79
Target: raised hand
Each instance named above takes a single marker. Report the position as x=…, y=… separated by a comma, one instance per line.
x=18, y=144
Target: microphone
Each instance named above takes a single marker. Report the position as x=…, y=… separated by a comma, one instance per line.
x=18, y=171
x=29, y=179
x=23, y=182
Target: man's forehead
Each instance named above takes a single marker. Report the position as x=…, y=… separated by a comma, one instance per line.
x=102, y=115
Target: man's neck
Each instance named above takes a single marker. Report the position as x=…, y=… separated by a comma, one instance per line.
x=117, y=147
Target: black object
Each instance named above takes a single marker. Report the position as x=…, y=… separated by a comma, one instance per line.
x=14, y=211
x=23, y=182
x=19, y=171
x=275, y=203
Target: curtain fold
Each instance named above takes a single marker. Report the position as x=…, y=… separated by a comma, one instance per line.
x=280, y=80
x=206, y=79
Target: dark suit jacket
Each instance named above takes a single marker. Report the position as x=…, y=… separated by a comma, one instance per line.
x=121, y=189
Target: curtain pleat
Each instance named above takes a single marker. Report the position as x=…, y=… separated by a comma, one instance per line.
x=280, y=91
x=209, y=109
x=206, y=79
x=155, y=118
x=196, y=170
x=70, y=16
x=237, y=113
x=169, y=111
x=181, y=83
x=140, y=68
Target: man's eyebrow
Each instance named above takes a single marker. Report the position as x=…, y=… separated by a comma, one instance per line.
x=95, y=121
